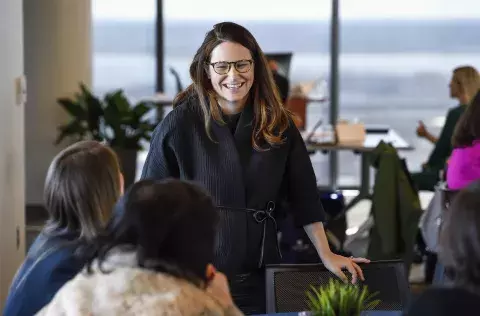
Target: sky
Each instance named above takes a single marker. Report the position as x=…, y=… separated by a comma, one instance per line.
x=286, y=10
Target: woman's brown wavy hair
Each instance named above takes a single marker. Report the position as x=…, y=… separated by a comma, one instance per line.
x=271, y=119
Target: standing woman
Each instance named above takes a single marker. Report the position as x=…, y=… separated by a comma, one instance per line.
x=230, y=133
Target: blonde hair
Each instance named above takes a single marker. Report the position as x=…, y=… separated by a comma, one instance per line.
x=468, y=78
x=81, y=188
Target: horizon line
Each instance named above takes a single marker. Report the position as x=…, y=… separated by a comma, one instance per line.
x=299, y=21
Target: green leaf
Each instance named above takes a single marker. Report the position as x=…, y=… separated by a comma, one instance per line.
x=111, y=119
x=372, y=305
x=314, y=303
x=120, y=101
x=141, y=109
x=72, y=129
x=73, y=108
x=339, y=299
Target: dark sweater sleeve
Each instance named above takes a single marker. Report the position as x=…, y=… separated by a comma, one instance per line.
x=445, y=301
x=443, y=147
x=303, y=195
x=161, y=160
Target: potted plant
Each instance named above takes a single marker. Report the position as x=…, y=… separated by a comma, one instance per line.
x=112, y=120
x=340, y=299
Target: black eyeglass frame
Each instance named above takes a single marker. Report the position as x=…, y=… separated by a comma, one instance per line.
x=230, y=63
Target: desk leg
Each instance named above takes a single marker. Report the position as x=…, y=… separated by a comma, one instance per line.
x=364, y=181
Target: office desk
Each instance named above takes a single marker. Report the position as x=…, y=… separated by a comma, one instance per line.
x=161, y=101
x=372, y=139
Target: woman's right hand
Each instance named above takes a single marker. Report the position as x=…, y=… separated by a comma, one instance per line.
x=421, y=130
x=218, y=288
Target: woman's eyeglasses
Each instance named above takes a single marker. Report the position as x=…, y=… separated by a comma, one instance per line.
x=223, y=67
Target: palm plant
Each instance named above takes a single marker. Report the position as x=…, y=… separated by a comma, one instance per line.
x=112, y=120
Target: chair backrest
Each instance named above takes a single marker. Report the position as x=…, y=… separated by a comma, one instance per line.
x=178, y=81
x=447, y=195
x=287, y=285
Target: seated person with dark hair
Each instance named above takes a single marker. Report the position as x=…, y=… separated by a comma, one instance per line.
x=460, y=254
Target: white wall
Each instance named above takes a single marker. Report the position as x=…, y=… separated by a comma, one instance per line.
x=12, y=182
x=57, y=57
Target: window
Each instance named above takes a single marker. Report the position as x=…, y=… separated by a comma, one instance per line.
x=395, y=65
x=124, y=46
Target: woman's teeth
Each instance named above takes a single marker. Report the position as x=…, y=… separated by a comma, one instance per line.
x=233, y=86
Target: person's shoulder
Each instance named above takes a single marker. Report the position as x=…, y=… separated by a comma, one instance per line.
x=183, y=115
x=445, y=291
x=44, y=268
x=60, y=264
x=292, y=129
x=136, y=282
x=443, y=301
x=51, y=252
x=457, y=110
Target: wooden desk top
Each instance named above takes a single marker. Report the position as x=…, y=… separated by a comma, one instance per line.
x=160, y=99
x=372, y=139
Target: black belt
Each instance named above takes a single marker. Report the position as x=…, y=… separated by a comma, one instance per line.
x=260, y=216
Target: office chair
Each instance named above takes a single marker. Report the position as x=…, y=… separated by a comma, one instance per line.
x=178, y=82
x=438, y=274
x=284, y=60
x=448, y=196
x=287, y=285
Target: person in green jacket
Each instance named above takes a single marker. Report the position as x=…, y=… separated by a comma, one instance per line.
x=464, y=85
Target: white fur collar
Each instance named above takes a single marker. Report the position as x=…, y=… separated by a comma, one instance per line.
x=128, y=290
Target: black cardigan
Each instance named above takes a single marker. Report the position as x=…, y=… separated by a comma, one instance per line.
x=241, y=180
x=445, y=301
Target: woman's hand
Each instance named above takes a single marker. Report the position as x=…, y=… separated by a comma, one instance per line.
x=335, y=263
x=218, y=288
x=421, y=130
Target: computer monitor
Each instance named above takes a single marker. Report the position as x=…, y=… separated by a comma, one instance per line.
x=283, y=60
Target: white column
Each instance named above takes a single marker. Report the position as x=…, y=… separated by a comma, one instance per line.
x=12, y=182
x=57, y=59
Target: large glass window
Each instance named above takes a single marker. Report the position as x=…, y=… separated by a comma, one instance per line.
x=395, y=65
x=124, y=46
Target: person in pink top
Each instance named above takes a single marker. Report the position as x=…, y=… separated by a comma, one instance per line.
x=464, y=163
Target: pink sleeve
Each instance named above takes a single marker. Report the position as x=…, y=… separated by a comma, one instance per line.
x=463, y=167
